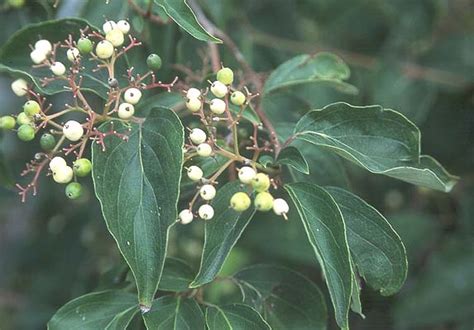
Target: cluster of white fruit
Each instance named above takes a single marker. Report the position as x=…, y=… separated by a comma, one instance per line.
x=64, y=174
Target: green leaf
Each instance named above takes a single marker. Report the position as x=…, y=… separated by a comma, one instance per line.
x=380, y=140
x=291, y=156
x=326, y=232
x=177, y=275
x=322, y=68
x=221, y=234
x=15, y=56
x=180, y=12
x=234, y=317
x=376, y=248
x=174, y=313
x=137, y=184
x=112, y=309
x=285, y=298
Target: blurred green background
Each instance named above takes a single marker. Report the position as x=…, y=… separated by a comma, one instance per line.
x=413, y=56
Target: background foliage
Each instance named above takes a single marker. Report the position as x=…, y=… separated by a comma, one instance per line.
x=413, y=56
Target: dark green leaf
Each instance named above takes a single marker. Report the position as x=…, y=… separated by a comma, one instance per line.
x=235, y=316
x=291, y=156
x=380, y=140
x=286, y=299
x=376, y=248
x=174, y=313
x=221, y=234
x=325, y=68
x=181, y=13
x=137, y=184
x=177, y=275
x=15, y=56
x=326, y=232
x=98, y=310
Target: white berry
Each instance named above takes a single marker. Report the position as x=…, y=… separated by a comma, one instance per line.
x=186, y=216
x=73, y=130
x=38, y=56
x=126, y=111
x=197, y=136
x=109, y=26
x=195, y=173
x=44, y=46
x=206, y=212
x=56, y=163
x=207, y=192
x=219, y=89
x=123, y=26
x=193, y=104
x=58, y=68
x=246, y=174
x=193, y=93
x=72, y=54
x=132, y=95
x=280, y=206
x=218, y=106
x=204, y=150
x=19, y=87
x=63, y=174
x=115, y=37
x=104, y=49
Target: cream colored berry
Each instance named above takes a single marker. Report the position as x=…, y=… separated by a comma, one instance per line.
x=44, y=46
x=219, y=89
x=261, y=182
x=104, y=49
x=195, y=173
x=193, y=104
x=123, y=26
x=56, y=163
x=206, y=212
x=73, y=130
x=73, y=54
x=225, y=76
x=63, y=174
x=240, y=201
x=207, y=192
x=186, y=216
x=280, y=206
x=20, y=87
x=217, y=106
x=58, y=69
x=263, y=201
x=204, y=150
x=38, y=56
x=247, y=174
x=126, y=111
x=115, y=37
x=132, y=95
x=193, y=93
x=197, y=136
x=109, y=26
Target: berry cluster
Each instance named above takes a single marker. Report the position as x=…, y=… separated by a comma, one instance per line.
x=222, y=103
x=63, y=137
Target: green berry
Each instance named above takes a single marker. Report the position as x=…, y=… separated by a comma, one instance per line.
x=82, y=167
x=47, y=142
x=264, y=201
x=7, y=122
x=16, y=3
x=237, y=98
x=74, y=190
x=261, y=182
x=31, y=108
x=225, y=76
x=84, y=45
x=154, y=62
x=240, y=201
x=23, y=119
x=26, y=132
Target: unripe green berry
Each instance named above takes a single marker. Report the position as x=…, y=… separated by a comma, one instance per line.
x=31, y=108
x=23, y=119
x=154, y=62
x=84, y=45
x=7, y=122
x=26, y=132
x=225, y=76
x=240, y=201
x=16, y=3
x=74, y=190
x=82, y=167
x=261, y=182
x=237, y=98
x=47, y=142
x=263, y=201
